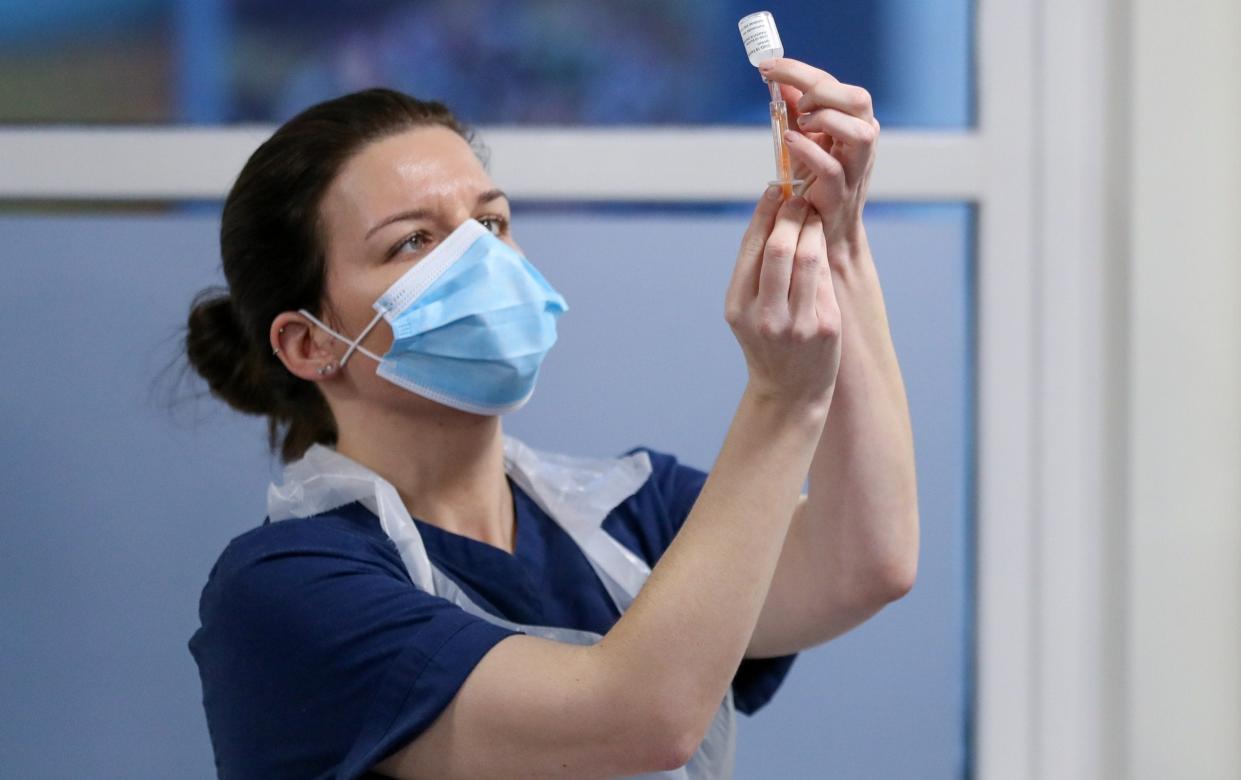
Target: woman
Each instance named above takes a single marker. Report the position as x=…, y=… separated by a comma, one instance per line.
x=431, y=599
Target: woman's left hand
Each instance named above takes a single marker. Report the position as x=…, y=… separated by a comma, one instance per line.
x=834, y=141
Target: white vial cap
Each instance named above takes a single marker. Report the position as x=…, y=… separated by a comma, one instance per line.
x=762, y=41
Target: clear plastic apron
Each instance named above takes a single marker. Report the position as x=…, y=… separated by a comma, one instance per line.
x=578, y=493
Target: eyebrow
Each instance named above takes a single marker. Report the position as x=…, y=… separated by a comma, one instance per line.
x=412, y=214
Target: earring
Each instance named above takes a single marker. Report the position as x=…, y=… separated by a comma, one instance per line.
x=329, y=368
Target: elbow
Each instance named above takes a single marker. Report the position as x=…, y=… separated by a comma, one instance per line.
x=892, y=576
x=882, y=584
x=652, y=721
x=898, y=575
x=675, y=753
x=897, y=581
x=678, y=747
x=672, y=734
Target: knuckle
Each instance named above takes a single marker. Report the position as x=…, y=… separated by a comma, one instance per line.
x=733, y=314
x=772, y=327
x=751, y=244
x=779, y=248
x=867, y=134
x=804, y=332
x=860, y=97
x=806, y=260
x=833, y=170
x=829, y=324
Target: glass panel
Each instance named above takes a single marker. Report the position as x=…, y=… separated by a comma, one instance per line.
x=494, y=62
x=124, y=503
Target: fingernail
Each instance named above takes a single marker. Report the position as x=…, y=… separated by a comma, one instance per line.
x=789, y=136
x=801, y=120
x=766, y=65
x=798, y=202
x=773, y=193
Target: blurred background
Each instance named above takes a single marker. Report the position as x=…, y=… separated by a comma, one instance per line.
x=542, y=62
x=1054, y=217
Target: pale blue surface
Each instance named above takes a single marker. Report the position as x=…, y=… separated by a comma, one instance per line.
x=115, y=507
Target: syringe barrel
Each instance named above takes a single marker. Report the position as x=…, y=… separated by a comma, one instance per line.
x=779, y=124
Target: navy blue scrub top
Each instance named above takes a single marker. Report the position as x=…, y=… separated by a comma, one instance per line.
x=320, y=658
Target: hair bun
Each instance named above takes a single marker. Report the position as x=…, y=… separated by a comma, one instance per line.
x=218, y=349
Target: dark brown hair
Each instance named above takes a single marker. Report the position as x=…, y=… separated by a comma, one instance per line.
x=272, y=248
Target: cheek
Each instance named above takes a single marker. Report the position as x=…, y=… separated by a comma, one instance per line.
x=379, y=340
x=351, y=293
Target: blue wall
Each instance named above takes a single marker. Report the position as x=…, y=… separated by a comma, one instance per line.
x=115, y=506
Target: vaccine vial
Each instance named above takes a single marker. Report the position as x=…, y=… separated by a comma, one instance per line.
x=760, y=36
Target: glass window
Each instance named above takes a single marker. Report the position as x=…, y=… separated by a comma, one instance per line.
x=115, y=488
x=547, y=62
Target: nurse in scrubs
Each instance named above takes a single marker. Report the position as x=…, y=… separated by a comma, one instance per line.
x=430, y=598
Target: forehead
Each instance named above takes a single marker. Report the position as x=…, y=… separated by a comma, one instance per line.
x=422, y=167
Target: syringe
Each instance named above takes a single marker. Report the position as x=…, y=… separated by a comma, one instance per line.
x=762, y=43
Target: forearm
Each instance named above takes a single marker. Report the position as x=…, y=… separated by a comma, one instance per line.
x=862, y=505
x=684, y=636
x=640, y=699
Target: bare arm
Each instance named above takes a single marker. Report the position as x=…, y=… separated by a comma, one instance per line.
x=853, y=545
x=642, y=698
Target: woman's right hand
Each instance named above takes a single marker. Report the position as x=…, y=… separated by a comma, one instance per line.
x=782, y=307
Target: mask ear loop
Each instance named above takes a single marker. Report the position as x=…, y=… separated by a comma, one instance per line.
x=353, y=345
x=358, y=344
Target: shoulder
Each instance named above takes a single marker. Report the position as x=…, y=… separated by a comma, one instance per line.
x=318, y=655
x=291, y=551
x=344, y=530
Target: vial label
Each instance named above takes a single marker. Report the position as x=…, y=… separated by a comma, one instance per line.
x=762, y=41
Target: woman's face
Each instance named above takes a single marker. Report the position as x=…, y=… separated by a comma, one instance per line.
x=389, y=206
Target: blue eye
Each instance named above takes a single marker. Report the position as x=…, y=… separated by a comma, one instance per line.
x=415, y=243
x=501, y=224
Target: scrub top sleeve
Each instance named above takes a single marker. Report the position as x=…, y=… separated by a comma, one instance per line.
x=678, y=486
x=322, y=662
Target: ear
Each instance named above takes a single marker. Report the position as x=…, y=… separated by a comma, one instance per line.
x=304, y=349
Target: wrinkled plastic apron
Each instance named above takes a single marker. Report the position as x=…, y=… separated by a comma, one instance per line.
x=577, y=493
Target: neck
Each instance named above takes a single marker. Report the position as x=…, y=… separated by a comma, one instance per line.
x=448, y=467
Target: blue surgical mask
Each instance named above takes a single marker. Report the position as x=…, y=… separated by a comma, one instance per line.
x=471, y=323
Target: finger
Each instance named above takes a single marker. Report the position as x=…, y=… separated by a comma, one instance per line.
x=808, y=262
x=790, y=95
x=795, y=73
x=743, y=285
x=773, y=282
x=819, y=88
x=857, y=135
x=839, y=125
x=848, y=98
x=827, y=307
x=826, y=168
